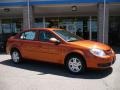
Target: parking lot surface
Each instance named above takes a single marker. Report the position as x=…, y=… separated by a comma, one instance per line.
x=43, y=76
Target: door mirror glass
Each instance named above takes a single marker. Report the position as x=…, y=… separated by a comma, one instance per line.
x=54, y=40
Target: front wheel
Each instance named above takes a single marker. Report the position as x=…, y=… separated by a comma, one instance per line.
x=16, y=56
x=75, y=64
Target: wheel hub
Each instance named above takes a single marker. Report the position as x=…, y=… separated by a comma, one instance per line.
x=75, y=65
x=15, y=56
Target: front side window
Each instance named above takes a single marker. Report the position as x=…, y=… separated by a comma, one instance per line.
x=45, y=36
x=30, y=35
x=67, y=36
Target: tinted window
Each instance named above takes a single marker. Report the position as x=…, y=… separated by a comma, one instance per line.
x=45, y=36
x=30, y=35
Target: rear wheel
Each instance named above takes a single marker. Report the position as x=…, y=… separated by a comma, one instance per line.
x=16, y=56
x=75, y=64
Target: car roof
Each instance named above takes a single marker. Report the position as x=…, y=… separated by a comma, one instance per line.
x=51, y=29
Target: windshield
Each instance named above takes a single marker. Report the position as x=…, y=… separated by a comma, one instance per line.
x=67, y=36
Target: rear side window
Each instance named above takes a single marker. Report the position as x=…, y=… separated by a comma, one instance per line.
x=30, y=35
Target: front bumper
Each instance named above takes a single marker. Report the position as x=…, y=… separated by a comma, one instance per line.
x=104, y=65
x=101, y=62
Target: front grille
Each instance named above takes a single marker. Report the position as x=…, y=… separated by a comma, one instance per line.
x=105, y=65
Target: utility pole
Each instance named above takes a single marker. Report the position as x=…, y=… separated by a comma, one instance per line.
x=104, y=21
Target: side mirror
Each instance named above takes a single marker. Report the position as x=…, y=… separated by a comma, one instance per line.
x=54, y=40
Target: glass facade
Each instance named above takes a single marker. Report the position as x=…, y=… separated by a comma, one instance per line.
x=83, y=22
x=11, y=25
x=93, y=25
x=39, y=23
x=81, y=26
x=8, y=28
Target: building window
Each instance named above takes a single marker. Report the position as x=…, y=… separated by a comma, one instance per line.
x=93, y=26
x=11, y=25
x=39, y=23
x=77, y=25
x=51, y=22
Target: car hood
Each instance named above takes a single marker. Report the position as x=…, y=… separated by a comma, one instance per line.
x=91, y=44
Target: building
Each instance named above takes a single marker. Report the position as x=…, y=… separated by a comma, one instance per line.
x=97, y=20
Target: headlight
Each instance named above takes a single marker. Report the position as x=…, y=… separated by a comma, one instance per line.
x=112, y=51
x=97, y=52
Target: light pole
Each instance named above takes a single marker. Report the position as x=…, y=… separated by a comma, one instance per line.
x=104, y=21
x=28, y=7
x=90, y=25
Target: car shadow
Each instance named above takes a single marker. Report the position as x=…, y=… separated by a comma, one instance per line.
x=55, y=69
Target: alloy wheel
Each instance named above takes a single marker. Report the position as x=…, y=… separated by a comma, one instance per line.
x=15, y=56
x=75, y=64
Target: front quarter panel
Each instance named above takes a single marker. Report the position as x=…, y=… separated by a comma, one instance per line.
x=73, y=49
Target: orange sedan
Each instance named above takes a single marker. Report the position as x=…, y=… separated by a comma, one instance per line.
x=60, y=46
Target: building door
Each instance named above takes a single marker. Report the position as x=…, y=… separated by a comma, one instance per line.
x=114, y=30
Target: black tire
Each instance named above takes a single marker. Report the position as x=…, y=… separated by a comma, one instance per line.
x=16, y=56
x=75, y=64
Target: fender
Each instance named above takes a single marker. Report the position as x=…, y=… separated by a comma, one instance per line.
x=15, y=46
x=75, y=51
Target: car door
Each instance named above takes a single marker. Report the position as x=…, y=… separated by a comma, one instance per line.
x=47, y=50
x=27, y=42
